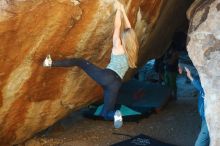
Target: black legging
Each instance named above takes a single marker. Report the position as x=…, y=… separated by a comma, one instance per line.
x=108, y=79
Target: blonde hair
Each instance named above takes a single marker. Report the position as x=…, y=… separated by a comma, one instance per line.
x=131, y=46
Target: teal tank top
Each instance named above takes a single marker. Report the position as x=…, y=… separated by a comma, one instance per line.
x=119, y=64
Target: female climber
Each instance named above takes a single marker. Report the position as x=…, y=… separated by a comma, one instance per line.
x=124, y=55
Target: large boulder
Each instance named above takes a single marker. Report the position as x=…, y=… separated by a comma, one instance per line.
x=32, y=97
x=204, y=50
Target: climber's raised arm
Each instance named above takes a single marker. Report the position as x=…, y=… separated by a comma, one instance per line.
x=126, y=21
x=117, y=26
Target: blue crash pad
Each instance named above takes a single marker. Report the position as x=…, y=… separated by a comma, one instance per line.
x=139, y=94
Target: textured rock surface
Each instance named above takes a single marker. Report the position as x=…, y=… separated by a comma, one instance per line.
x=193, y=8
x=204, y=50
x=32, y=97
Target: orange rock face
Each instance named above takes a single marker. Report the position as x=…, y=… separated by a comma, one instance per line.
x=32, y=97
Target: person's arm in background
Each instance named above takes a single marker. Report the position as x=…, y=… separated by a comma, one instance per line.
x=180, y=70
x=196, y=83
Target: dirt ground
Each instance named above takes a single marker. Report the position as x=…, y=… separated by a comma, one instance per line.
x=178, y=123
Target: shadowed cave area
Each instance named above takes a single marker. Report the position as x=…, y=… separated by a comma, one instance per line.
x=50, y=106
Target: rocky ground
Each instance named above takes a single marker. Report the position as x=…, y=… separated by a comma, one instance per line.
x=178, y=123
